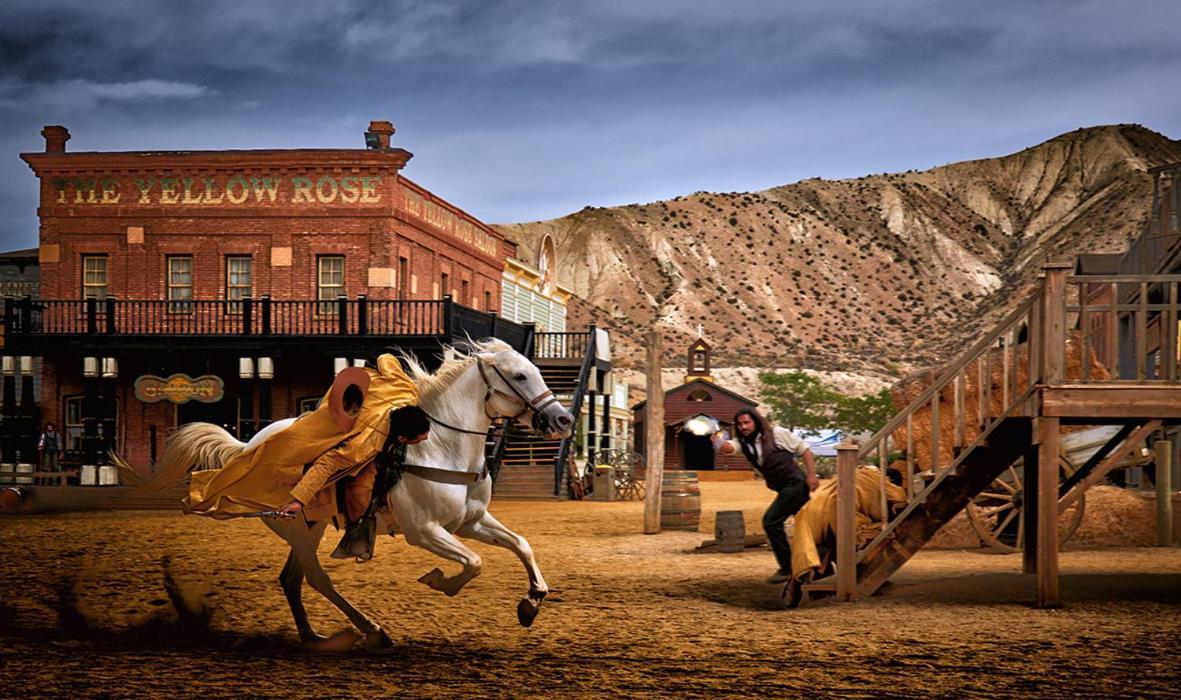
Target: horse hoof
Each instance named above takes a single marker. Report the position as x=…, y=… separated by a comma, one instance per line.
x=433, y=578
x=336, y=644
x=378, y=639
x=527, y=610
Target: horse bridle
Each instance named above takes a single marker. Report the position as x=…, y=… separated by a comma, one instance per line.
x=537, y=403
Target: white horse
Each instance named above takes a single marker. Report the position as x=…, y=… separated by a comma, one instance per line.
x=446, y=491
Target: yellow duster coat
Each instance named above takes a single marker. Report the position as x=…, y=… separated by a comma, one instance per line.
x=271, y=474
x=818, y=517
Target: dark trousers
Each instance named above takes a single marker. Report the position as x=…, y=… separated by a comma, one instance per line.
x=786, y=504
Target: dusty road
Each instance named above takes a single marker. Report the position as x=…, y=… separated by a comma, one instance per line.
x=84, y=612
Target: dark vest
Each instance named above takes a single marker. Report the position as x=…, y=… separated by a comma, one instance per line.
x=779, y=468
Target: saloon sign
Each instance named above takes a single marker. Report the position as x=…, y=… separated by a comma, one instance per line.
x=191, y=189
x=179, y=388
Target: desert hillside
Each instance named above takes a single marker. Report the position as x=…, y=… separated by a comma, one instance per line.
x=876, y=275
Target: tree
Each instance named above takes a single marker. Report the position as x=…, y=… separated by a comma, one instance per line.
x=801, y=401
x=863, y=414
x=798, y=400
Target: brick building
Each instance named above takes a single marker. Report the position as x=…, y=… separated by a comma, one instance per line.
x=226, y=286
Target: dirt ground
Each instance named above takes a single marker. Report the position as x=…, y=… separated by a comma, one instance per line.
x=84, y=612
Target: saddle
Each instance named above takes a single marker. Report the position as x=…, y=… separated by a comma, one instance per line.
x=360, y=536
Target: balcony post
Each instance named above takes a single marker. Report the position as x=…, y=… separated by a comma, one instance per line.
x=91, y=316
x=10, y=315
x=247, y=315
x=342, y=315
x=27, y=314
x=110, y=308
x=447, y=311
x=266, y=314
x=362, y=315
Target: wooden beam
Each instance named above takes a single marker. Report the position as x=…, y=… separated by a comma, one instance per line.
x=846, y=521
x=654, y=439
x=1047, y=513
x=1111, y=400
x=1132, y=442
x=1164, y=493
x=1028, y=525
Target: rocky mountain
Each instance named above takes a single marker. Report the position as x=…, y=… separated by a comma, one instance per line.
x=877, y=275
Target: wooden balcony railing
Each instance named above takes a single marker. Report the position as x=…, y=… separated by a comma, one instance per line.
x=441, y=318
x=551, y=346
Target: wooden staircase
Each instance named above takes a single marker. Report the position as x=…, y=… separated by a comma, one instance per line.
x=1020, y=398
x=530, y=466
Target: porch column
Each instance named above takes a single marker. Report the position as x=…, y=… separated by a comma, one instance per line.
x=90, y=410
x=1053, y=371
x=9, y=411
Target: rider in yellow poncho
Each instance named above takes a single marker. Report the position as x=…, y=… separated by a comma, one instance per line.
x=819, y=517
x=272, y=474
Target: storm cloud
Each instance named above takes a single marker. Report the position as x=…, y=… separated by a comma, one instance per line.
x=520, y=111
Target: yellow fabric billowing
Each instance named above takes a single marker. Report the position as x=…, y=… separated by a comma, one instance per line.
x=271, y=474
x=818, y=517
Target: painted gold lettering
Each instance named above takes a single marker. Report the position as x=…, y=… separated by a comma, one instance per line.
x=326, y=189
x=168, y=193
x=61, y=190
x=264, y=186
x=302, y=190
x=145, y=187
x=209, y=193
x=110, y=191
x=243, y=187
x=369, y=189
x=84, y=191
x=188, y=193
x=348, y=189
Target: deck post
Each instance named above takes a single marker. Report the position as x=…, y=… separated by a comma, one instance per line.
x=1029, y=508
x=846, y=521
x=1053, y=354
x=654, y=439
x=1164, y=493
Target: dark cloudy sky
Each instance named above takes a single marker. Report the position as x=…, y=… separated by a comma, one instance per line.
x=520, y=110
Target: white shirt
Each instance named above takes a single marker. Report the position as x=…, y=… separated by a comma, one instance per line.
x=784, y=439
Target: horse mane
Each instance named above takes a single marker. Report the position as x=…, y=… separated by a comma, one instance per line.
x=455, y=362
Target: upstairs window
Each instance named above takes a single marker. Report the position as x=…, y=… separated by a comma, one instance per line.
x=94, y=276
x=180, y=284
x=329, y=281
x=238, y=281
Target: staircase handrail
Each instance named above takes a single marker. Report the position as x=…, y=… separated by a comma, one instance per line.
x=588, y=362
x=940, y=474
x=950, y=373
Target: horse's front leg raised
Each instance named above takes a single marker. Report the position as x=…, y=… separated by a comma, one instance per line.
x=490, y=530
x=434, y=538
x=303, y=540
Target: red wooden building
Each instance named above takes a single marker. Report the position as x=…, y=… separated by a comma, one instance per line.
x=698, y=396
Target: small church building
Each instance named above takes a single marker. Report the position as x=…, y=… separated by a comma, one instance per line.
x=691, y=412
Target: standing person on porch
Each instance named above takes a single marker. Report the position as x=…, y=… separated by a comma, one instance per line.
x=50, y=446
x=772, y=451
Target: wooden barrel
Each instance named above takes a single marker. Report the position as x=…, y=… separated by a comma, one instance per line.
x=730, y=531
x=12, y=499
x=680, y=501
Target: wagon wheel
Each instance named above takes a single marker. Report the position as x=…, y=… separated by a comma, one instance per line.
x=997, y=513
x=628, y=484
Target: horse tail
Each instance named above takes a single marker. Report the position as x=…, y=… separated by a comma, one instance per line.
x=200, y=445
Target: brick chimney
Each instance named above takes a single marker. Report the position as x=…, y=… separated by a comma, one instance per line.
x=379, y=135
x=55, y=138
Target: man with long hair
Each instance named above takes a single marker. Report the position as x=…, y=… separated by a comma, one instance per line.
x=772, y=451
